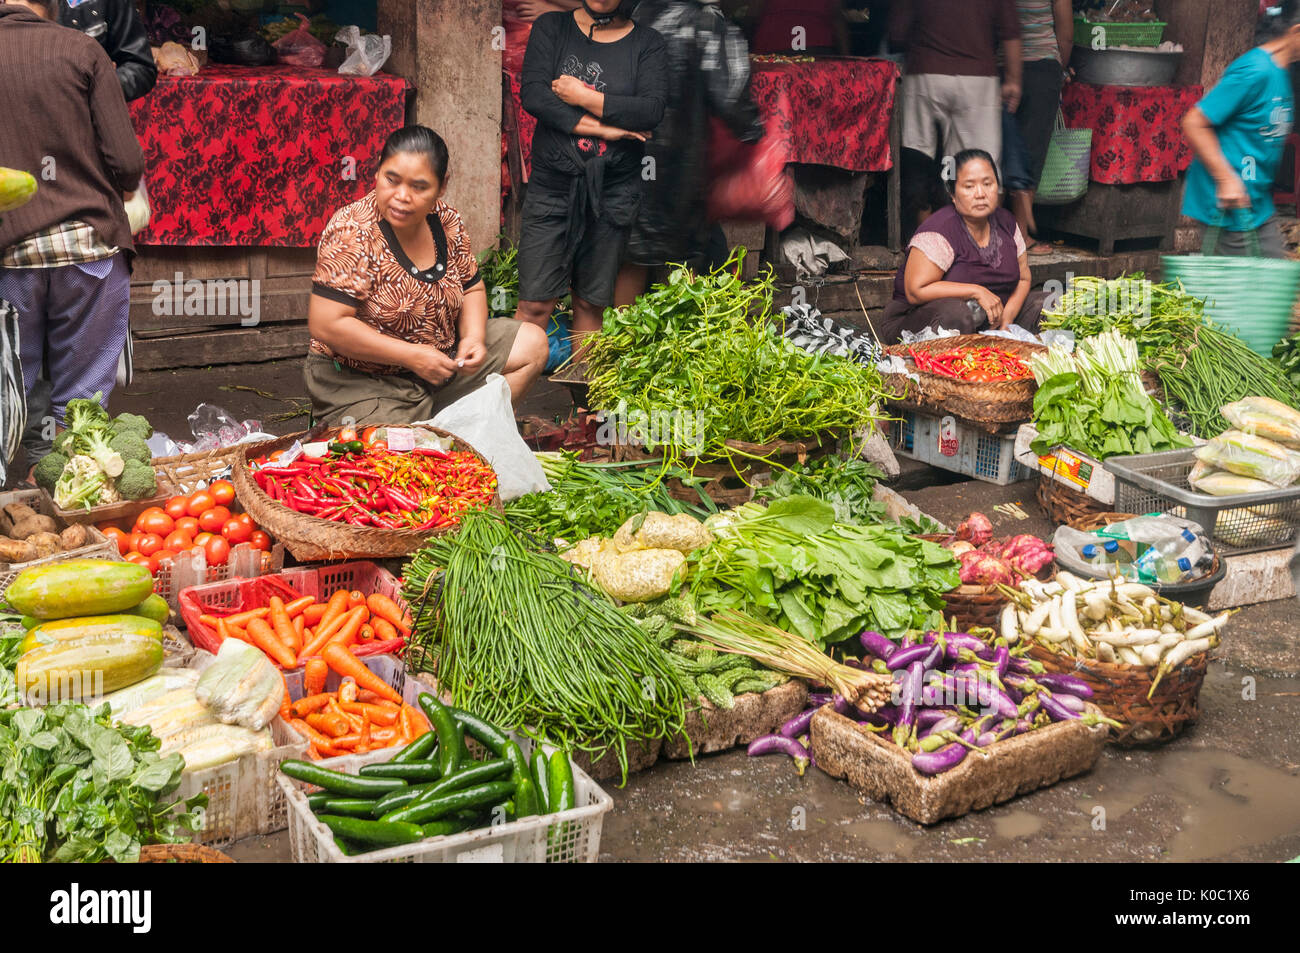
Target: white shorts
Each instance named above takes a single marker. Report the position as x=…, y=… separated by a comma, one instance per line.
x=942, y=115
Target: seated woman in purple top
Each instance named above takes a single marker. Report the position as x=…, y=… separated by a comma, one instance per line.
x=966, y=267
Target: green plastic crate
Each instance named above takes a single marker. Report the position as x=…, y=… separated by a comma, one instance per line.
x=1120, y=34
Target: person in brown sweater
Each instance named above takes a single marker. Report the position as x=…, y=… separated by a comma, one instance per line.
x=65, y=255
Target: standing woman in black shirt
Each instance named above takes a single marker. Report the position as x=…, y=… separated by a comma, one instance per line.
x=597, y=84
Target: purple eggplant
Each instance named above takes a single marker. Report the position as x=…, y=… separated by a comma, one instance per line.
x=931, y=716
x=798, y=725
x=877, y=645
x=956, y=641
x=1067, y=684
x=965, y=668
x=1055, y=710
x=935, y=656
x=818, y=699
x=908, y=700
x=1024, y=666
x=1001, y=659
x=936, y=762
x=840, y=704
x=779, y=744
x=905, y=657
x=1072, y=702
x=858, y=664
x=949, y=724
x=887, y=714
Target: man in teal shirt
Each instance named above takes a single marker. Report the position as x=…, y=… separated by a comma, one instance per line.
x=1238, y=132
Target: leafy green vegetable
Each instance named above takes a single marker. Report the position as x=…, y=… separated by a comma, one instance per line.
x=76, y=787
x=847, y=483
x=794, y=565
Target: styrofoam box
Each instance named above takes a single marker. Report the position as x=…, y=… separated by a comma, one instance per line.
x=569, y=837
x=1078, y=471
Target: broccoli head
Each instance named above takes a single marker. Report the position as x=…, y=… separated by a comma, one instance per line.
x=138, y=481
x=81, y=484
x=48, y=471
x=63, y=443
x=82, y=414
x=94, y=444
x=131, y=446
x=133, y=422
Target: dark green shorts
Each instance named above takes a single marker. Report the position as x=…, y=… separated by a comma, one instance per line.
x=339, y=392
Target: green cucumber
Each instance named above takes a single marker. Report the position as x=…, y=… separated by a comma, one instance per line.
x=448, y=825
x=350, y=806
x=418, y=750
x=450, y=740
x=563, y=795
x=482, y=731
x=539, y=777
x=391, y=802
x=341, y=785
x=372, y=833
x=415, y=772
x=525, y=795
x=316, y=800
x=423, y=811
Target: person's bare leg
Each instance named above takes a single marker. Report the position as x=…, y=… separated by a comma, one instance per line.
x=630, y=284
x=536, y=312
x=527, y=360
x=587, y=320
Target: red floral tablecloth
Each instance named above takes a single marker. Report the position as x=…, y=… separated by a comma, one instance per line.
x=830, y=112
x=260, y=155
x=1136, y=134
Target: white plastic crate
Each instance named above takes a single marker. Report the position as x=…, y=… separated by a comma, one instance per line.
x=569, y=837
x=244, y=797
x=949, y=444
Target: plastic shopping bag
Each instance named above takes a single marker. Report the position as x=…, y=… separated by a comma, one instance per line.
x=366, y=54
x=1251, y=456
x=300, y=48
x=485, y=419
x=1265, y=417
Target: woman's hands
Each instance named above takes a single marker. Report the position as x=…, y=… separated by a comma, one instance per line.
x=991, y=304
x=434, y=366
x=572, y=90
x=470, y=354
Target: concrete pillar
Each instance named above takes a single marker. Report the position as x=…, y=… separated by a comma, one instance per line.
x=450, y=51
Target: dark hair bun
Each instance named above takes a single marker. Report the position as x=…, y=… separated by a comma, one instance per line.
x=419, y=139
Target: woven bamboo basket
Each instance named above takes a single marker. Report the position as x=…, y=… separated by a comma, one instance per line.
x=182, y=854
x=188, y=472
x=310, y=538
x=1120, y=691
x=979, y=606
x=1064, y=506
x=994, y=402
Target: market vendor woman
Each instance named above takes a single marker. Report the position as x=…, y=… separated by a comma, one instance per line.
x=398, y=315
x=966, y=267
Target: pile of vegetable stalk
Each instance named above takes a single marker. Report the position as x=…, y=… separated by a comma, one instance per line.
x=791, y=564
x=975, y=364
x=433, y=786
x=1201, y=366
x=374, y=486
x=1123, y=623
x=1094, y=402
x=956, y=693
x=702, y=348
x=518, y=637
x=595, y=499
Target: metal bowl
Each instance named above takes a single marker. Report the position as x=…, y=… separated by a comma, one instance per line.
x=1124, y=67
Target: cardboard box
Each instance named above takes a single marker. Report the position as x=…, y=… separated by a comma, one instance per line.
x=1076, y=470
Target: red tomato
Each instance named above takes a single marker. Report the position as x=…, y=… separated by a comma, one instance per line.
x=155, y=561
x=223, y=491
x=137, y=559
x=148, y=514
x=149, y=544
x=188, y=525
x=347, y=435
x=105, y=526
x=200, y=502
x=260, y=540
x=133, y=542
x=178, y=541
x=246, y=520
x=202, y=539
x=120, y=537
x=236, y=531
x=175, y=506
x=212, y=520
x=158, y=523
x=217, y=551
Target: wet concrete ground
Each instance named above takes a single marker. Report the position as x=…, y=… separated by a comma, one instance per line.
x=1227, y=790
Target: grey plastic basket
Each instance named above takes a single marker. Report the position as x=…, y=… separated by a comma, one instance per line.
x=1245, y=523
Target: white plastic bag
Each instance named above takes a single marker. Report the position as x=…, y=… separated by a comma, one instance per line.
x=485, y=419
x=366, y=54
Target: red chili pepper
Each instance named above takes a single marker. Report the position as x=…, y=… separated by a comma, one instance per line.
x=303, y=489
x=280, y=471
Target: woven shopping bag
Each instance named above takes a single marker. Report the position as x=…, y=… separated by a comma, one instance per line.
x=1065, y=171
x=1249, y=296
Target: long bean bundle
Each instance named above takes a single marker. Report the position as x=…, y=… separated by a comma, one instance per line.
x=522, y=641
x=1201, y=366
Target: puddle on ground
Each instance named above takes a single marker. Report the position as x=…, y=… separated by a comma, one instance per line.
x=883, y=837
x=1228, y=802
x=1017, y=824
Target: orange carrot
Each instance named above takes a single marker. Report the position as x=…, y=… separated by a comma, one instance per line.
x=389, y=610
x=298, y=606
x=314, y=612
x=366, y=634
x=260, y=634
x=321, y=742
x=243, y=618
x=313, y=676
x=282, y=626
x=285, y=712
x=356, y=598
x=338, y=605
x=331, y=724
x=385, y=738
x=365, y=734
x=404, y=726
x=310, y=703
x=377, y=714
x=384, y=630
x=419, y=724
x=347, y=632
x=299, y=630
x=345, y=663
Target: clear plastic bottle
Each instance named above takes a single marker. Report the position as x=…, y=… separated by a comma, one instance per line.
x=1106, y=555
x=1175, y=559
